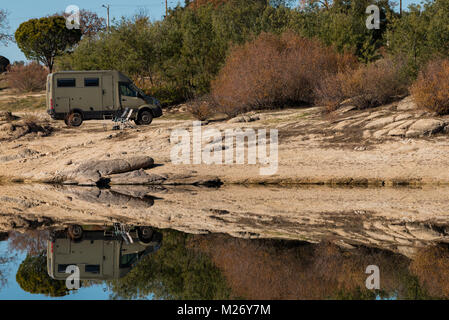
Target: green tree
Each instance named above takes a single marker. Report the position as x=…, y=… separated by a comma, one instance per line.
x=420, y=34
x=32, y=277
x=173, y=272
x=46, y=38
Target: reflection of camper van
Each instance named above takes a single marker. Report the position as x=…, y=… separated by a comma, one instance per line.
x=99, y=253
x=75, y=96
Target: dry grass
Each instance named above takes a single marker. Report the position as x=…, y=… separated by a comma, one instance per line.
x=431, y=89
x=274, y=71
x=15, y=104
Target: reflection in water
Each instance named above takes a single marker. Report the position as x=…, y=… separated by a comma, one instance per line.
x=100, y=253
x=138, y=262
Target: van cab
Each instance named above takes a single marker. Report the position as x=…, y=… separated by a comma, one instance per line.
x=76, y=96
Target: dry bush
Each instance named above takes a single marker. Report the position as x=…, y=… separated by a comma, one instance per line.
x=431, y=266
x=369, y=86
x=26, y=78
x=274, y=71
x=201, y=108
x=431, y=89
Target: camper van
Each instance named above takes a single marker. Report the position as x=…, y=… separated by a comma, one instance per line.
x=75, y=96
x=100, y=253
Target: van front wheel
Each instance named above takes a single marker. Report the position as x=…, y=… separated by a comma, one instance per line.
x=144, y=118
x=75, y=119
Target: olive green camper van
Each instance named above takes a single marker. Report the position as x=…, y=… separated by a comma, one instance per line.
x=75, y=96
x=99, y=252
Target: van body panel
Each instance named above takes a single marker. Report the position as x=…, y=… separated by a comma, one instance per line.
x=108, y=93
x=95, y=95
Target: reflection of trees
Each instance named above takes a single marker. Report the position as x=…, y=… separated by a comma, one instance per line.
x=268, y=269
x=5, y=259
x=4, y=269
x=32, y=277
x=33, y=241
x=431, y=267
x=218, y=266
x=173, y=272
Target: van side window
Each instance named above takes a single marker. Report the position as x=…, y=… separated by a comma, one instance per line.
x=66, y=83
x=91, y=82
x=92, y=268
x=127, y=91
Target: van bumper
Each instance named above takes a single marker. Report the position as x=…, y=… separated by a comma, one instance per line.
x=56, y=116
x=157, y=112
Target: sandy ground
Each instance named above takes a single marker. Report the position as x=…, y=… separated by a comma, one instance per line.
x=348, y=147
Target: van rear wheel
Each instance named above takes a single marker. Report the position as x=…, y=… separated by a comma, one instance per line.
x=144, y=118
x=75, y=119
x=75, y=232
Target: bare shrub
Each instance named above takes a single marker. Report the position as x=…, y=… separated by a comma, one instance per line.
x=26, y=78
x=431, y=89
x=274, y=71
x=368, y=86
x=201, y=108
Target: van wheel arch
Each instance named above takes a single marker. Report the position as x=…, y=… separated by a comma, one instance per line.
x=142, y=118
x=74, y=118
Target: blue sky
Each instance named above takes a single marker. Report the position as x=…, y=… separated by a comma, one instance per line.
x=23, y=10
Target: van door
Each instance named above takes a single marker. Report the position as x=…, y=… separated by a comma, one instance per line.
x=108, y=93
x=129, y=97
x=62, y=104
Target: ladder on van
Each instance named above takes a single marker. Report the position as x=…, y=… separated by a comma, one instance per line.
x=123, y=121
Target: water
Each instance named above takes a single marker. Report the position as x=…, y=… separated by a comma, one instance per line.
x=229, y=243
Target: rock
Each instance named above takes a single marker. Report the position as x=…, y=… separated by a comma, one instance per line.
x=137, y=177
x=346, y=109
x=380, y=133
x=244, y=118
x=425, y=126
x=92, y=171
x=28, y=153
x=8, y=127
x=413, y=134
x=398, y=132
x=382, y=122
x=404, y=116
x=407, y=104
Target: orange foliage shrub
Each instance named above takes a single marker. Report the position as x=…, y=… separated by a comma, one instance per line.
x=369, y=86
x=201, y=108
x=30, y=77
x=431, y=89
x=274, y=71
x=431, y=266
